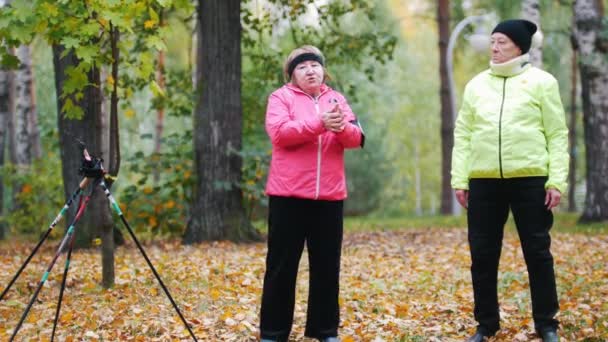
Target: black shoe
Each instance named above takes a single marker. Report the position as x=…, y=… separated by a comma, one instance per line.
x=478, y=337
x=549, y=336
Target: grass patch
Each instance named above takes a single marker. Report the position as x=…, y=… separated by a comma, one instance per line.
x=563, y=222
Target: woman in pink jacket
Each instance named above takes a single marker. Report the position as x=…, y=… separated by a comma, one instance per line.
x=309, y=125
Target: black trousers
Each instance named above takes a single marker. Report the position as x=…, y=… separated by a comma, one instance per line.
x=488, y=209
x=291, y=223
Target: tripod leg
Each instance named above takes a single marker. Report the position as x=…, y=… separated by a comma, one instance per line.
x=66, y=206
x=162, y=285
x=63, y=281
x=68, y=236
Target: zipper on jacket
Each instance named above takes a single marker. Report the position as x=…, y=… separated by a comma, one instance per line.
x=502, y=103
x=319, y=140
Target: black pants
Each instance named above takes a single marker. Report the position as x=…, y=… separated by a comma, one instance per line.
x=291, y=222
x=489, y=203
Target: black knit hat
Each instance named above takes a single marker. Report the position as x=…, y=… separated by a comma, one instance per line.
x=520, y=31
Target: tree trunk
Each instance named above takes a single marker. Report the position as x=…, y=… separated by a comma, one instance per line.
x=5, y=113
x=6, y=108
x=88, y=130
x=25, y=136
x=160, y=114
x=160, y=111
x=593, y=64
x=107, y=227
x=530, y=10
x=572, y=130
x=447, y=115
x=217, y=211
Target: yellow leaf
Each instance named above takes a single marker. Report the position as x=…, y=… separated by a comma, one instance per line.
x=110, y=80
x=66, y=317
x=149, y=24
x=170, y=204
x=148, y=190
x=129, y=113
x=215, y=294
x=152, y=221
x=26, y=189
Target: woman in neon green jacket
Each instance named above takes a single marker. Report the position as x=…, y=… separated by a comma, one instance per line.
x=511, y=152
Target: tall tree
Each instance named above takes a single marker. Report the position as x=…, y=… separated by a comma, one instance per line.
x=530, y=10
x=86, y=129
x=447, y=114
x=572, y=127
x=217, y=210
x=160, y=107
x=5, y=109
x=592, y=42
x=25, y=135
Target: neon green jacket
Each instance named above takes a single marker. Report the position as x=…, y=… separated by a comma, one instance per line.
x=511, y=126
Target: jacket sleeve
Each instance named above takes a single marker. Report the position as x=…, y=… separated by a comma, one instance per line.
x=283, y=130
x=556, y=134
x=462, y=144
x=352, y=136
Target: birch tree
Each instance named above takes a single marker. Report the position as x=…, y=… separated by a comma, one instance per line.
x=530, y=10
x=592, y=42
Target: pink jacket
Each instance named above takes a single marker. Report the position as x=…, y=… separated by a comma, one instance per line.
x=307, y=160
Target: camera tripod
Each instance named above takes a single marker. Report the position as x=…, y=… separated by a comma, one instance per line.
x=93, y=172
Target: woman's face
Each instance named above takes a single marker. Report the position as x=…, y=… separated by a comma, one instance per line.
x=502, y=48
x=308, y=76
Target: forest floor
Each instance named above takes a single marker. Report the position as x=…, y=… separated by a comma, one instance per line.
x=396, y=285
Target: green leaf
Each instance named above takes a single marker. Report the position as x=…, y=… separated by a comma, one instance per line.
x=70, y=42
x=153, y=14
x=9, y=61
x=116, y=18
x=71, y=111
x=164, y=3
x=156, y=43
x=90, y=29
x=5, y=21
x=156, y=89
x=22, y=9
x=22, y=33
x=146, y=66
x=49, y=9
x=76, y=80
x=87, y=53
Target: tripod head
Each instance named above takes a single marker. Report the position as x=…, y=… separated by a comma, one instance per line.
x=90, y=166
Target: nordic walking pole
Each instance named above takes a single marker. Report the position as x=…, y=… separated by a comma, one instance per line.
x=116, y=208
x=81, y=187
x=63, y=281
x=65, y=239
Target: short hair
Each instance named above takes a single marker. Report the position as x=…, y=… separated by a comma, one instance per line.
x=301, y=50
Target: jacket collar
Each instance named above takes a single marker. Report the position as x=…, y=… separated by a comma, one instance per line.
x=512, y=67
x=324, y=88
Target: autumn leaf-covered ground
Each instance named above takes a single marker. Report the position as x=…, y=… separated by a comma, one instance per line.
x=396, y=285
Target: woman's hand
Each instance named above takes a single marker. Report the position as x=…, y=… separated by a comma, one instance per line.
x=333, y=120
x=463, y=197
x=552, y=198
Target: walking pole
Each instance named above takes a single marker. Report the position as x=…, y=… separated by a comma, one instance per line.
x=116, y=208
x=63, y=281
x=81, y=187
x=69, y=234
x=92, y=167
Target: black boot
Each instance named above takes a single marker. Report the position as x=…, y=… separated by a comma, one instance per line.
x=549, y=336
x=478, y=337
